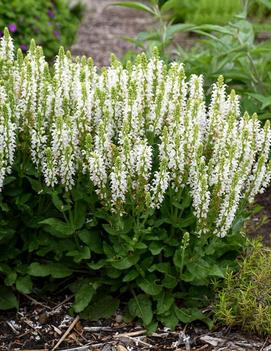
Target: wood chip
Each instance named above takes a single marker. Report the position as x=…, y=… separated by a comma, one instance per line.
x=212, y=340
x=67, y=332
x=121, y=348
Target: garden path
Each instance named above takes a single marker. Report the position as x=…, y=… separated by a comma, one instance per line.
x=103, y=29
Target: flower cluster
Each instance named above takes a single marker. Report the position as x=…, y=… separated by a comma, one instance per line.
x=138, y=133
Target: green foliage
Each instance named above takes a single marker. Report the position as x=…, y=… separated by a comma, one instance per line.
x=136, y=260
x=158, y=246
x=202, y=11
x=245, y=300
x=51, y=22
x=231, y=50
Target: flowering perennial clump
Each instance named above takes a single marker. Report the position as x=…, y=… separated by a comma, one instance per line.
x=138, y=133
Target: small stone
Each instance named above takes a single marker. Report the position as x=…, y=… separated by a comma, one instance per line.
x=121, y=348
x=118, y=318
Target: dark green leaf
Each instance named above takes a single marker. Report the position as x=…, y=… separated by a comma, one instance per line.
x=58, y=228
x=140, y=306
x=83, y=296
x=165, y=301
x=24, y=284
x=102, y=307
x=7, y=299
x=92, y=239
x=149, y=286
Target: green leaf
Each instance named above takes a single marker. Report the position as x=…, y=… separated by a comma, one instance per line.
x=83, y=296
x=149, y=286
x=58, y=202
x=169, y=319
x=186, y=222
x=135, y=5
x=7, y=299
x=140, y=306
x=216, y=271
x=178, y=257
x=38, y=270
x=164, y=303
x=102, y=307
x=92, y=239
x=170, y=281
x=155, y=248
x=79, y=255
x=132, y=275
x=80, y=213
x=126, y=262
x=160, y=267
x=266, y=3
x=188, y=315
x=58, y=228
x=56, y=270
x=24, y=284
x=97, y=265
x=36, y=185
x=10, y=278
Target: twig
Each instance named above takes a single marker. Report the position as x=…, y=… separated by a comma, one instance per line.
x=101, y=344
x=203, y=347
x=80, y=348
x=137, y=341
x=67, y=332
x=35, y=302
x=62, y=303
x=136, y=333
x=97, y=329
x=262, y=348
x=13, y=328
x=29, y=323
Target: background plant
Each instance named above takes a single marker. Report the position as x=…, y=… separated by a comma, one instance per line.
x=120, y=185
x=232, y=50
x=51, y=22
x=245, y=299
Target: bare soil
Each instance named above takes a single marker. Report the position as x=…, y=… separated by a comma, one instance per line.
x=45, y=325
x=104, y=29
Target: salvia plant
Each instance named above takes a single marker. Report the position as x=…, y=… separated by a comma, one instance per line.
x=123, y=181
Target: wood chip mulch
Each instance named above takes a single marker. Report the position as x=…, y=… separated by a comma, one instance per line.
x=45, y=325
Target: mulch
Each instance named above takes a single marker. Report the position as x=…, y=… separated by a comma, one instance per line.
x=44, y=324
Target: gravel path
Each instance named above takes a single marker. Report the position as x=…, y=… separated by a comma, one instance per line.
x=103, y=29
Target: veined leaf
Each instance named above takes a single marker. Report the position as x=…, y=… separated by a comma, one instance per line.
x=135, y=5
x=83, y=296
x=57, y=227
x=140, y=306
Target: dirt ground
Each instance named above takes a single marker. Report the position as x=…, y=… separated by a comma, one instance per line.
x=44, y=323
x=104, y=28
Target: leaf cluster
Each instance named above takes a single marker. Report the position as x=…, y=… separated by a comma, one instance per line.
x=50, y=22
x=232, y=49
x=52, y=240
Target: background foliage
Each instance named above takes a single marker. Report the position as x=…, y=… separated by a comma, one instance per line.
x=232, y=49
x=50, y=22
